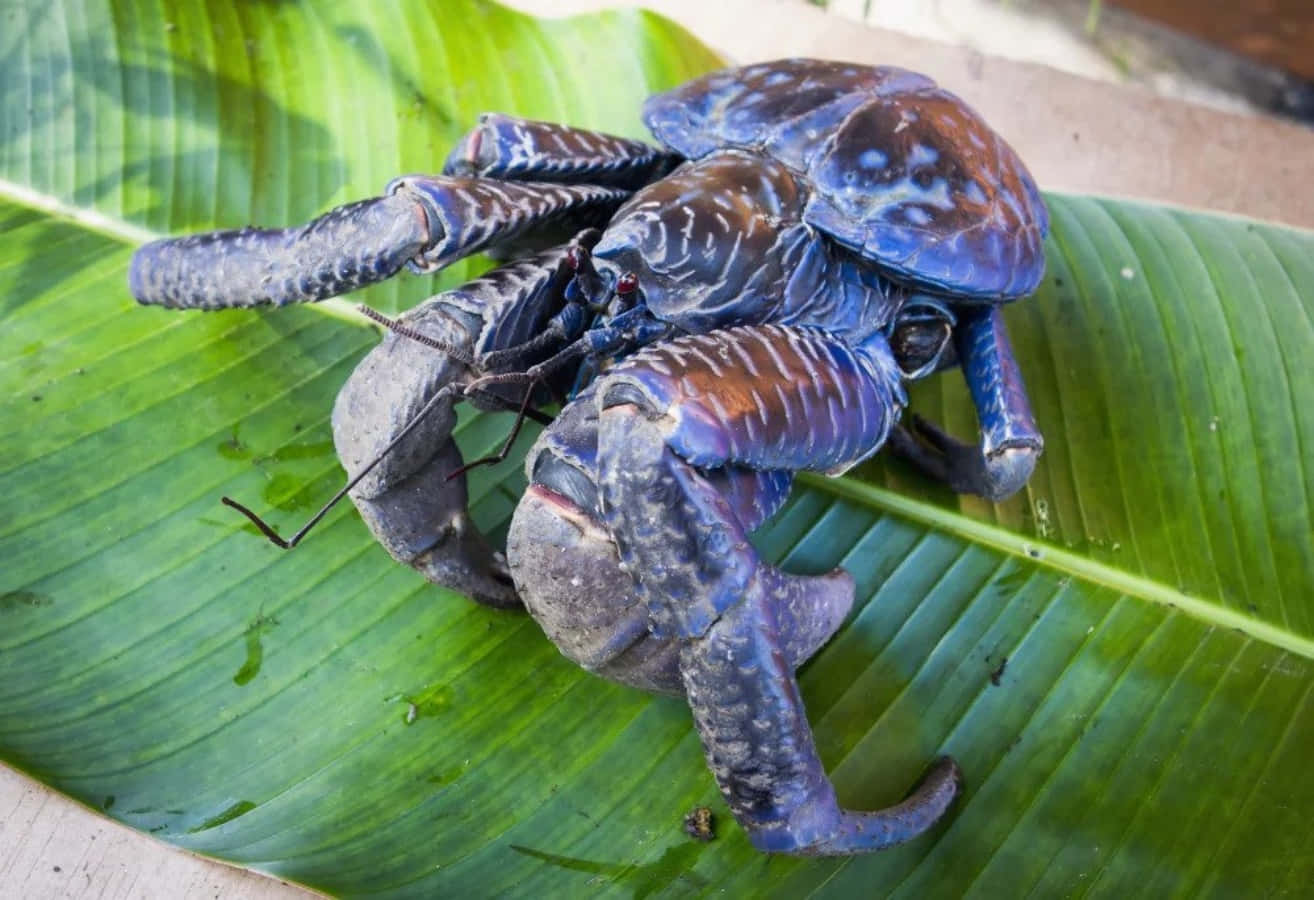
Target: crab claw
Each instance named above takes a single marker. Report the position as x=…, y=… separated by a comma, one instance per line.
x=571, y=581
x=407, y=499
x=394, y=418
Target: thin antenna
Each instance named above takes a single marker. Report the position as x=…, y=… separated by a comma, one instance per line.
x=446, y=391
x=465, y=358
x=457, y=353
x=506, y=447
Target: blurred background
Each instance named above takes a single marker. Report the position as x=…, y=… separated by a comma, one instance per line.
x=1241, y=57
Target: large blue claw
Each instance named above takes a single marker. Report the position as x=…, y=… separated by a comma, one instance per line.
x=755, y=733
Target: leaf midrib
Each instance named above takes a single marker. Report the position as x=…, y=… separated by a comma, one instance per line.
x=1036, y=552
x=1060, y=560
x=135, y=235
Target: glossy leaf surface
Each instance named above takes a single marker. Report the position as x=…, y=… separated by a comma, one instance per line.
x=1120, y=658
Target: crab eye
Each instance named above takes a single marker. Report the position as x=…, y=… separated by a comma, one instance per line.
x=627, y=284
x=920, y=337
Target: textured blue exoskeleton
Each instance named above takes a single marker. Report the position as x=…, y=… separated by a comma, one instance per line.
x=808, y=237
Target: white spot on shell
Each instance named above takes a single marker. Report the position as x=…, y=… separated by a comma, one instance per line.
x=872, y=159
x=916, y=215
x=922, y=155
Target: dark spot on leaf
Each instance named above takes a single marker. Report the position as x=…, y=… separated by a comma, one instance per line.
x=15, y=600
x=570, y=862
x=447, y=776
x=998, y=672
x=233, y=448
x=286, y=492
x=240, y=808
x=108, y=803
x=255, y=650
x=1012, y=581
x=298, y=451
x=642, y=880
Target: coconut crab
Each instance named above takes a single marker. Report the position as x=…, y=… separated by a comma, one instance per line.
x=807, y=237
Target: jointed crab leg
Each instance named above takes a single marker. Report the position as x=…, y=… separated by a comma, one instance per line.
x=677, y=408
x=502, y=146
x=425, y=221
x=1010, y=442
x=348, y=247
x=749, y=714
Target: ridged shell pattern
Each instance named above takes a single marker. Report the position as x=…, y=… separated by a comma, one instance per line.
x=768, y=397
x=502, y=146
x=901, y=171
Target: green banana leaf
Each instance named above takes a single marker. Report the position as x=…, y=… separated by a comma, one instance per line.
x=1119, y=658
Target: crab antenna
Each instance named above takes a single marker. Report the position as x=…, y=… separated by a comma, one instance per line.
x=464, y=357
x=268, y=531
x=455, y=352
x=500, y=455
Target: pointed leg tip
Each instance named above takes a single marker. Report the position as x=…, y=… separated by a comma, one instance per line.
x=944, y=774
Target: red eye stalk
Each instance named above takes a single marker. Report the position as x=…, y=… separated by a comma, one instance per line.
x=576, y=257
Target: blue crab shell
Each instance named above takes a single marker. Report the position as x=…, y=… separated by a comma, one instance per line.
x=900, y=171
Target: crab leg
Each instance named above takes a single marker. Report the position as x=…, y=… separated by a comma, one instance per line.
x=408, y=500
x=1010, y=442
x=766, y=397
x=503, y=146
x=425, y=221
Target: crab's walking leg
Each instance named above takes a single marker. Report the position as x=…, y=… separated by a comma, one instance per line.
x=417, y=512
x=426, y=222
x=769, y=397
x=503, y=146
x=1010, y=442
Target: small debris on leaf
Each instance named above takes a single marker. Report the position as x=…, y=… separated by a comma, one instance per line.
x=998, y=673
x=699, y=824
